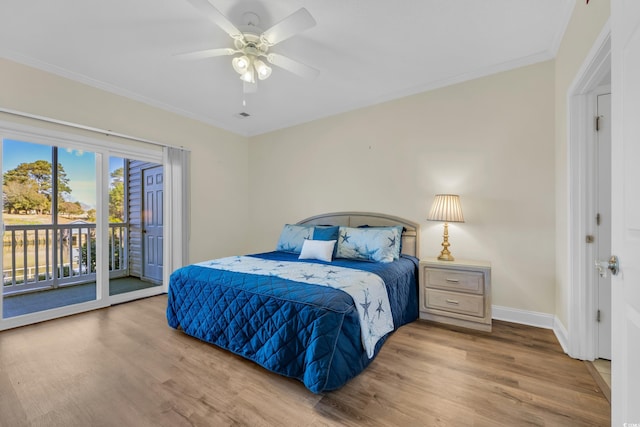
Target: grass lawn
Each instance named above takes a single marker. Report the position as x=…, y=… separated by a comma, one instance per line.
x=24, y=219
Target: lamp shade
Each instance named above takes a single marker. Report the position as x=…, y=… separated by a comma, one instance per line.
x=241, y=64
x=263, y=70
x=446, y=207
x=248, y=76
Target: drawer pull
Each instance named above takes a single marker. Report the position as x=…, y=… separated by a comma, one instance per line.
x=452, y=280
x=452, y=301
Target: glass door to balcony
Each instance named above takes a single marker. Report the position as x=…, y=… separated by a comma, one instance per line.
x=135, y=226
x=49, y=241
x=83, y=221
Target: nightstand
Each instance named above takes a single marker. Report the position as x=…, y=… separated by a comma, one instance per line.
x=456, y=292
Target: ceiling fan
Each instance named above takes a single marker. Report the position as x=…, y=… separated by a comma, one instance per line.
x=252, y=46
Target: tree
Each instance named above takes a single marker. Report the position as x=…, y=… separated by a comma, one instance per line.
x=23, y=197
x=91, y=215
x=38, y=176
x=70, y=208
x=116, y=196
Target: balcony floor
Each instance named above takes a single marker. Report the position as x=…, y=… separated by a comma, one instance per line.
x=53, y=298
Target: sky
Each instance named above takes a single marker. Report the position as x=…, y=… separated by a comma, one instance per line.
x=79, y=166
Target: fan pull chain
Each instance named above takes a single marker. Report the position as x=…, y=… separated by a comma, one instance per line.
x=244, y=96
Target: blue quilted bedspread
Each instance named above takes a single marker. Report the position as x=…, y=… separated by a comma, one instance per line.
x=308, y=332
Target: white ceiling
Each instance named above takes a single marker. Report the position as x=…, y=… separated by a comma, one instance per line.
x=367, y=51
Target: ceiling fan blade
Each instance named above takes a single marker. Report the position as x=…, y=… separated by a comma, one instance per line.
x=209, y=53
x=292, y=66
x=293, y=24
x=216, y=17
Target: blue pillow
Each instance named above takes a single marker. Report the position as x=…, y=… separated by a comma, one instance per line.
x=378, y=244
x=327, y=232
x=292, y=237
x=324, y=232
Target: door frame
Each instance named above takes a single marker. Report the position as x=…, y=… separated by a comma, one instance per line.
x=581, y=190
x=598, y=231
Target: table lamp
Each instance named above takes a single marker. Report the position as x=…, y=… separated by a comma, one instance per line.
x=446, y=207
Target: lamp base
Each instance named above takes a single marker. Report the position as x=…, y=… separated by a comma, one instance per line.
x=445, y=255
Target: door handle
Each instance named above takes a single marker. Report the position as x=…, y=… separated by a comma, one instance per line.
x=612, y=265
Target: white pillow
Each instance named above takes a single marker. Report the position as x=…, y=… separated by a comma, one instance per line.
x=317, y=249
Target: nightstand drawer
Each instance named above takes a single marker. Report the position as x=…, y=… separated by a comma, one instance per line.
x=472, y=305
x=465, y=281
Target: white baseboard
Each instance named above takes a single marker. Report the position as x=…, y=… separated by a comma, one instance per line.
x=533, y=318
x=561, y=334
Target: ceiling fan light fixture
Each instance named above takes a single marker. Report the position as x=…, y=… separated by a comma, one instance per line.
x=252, y=47
x=248, y=76
x=241, y=64
x=263, y=70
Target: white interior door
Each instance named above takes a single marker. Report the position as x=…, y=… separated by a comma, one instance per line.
x=603, y=222
x=625, y=204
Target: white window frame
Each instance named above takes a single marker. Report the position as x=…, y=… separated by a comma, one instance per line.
x=175, y=209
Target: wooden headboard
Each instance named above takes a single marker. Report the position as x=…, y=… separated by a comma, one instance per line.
x=410, y=235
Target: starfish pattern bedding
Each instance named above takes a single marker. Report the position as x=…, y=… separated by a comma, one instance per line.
x=287, y=323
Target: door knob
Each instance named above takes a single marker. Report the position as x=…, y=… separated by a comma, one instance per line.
x=611, y=265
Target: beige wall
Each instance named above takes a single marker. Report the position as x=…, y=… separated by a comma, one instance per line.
x=585, y=26
x=490, y=140
x=219, y=175
x=498, y=141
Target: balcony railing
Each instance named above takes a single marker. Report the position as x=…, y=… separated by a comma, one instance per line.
x=38, y=257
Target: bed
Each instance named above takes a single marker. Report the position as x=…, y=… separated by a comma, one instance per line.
x=321, y=319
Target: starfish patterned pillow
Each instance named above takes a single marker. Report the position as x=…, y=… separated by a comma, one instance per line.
x=292, y=238
x=377, y=244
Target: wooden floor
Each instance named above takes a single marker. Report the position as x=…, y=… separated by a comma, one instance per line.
x=123, y=366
